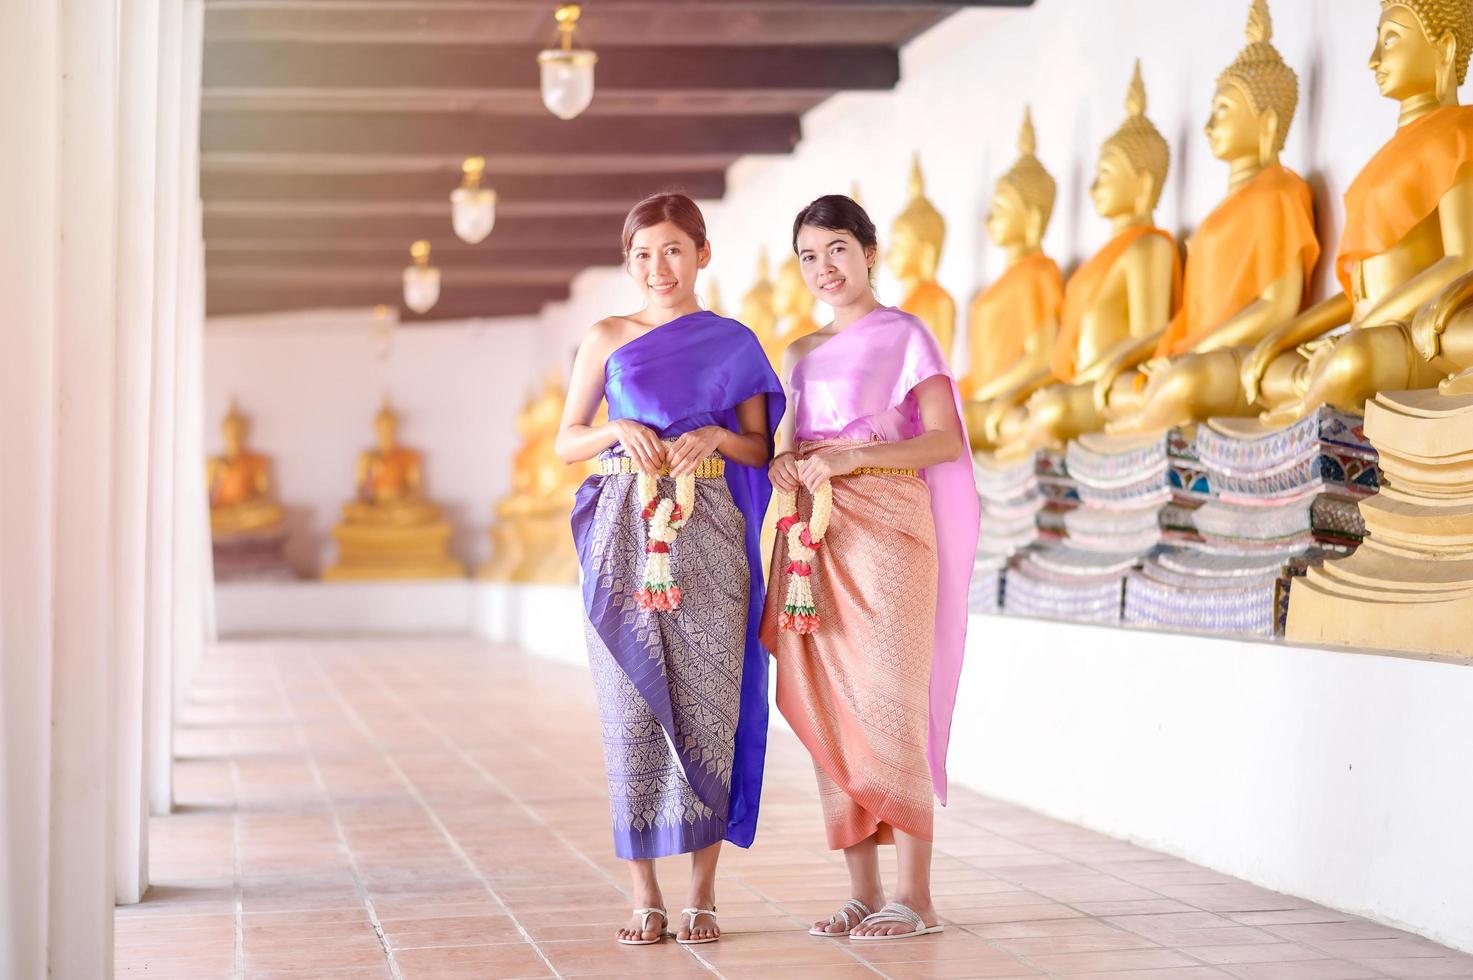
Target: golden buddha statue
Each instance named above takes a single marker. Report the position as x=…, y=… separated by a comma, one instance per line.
x=529, y=539
x=239, y=485
x=1126, y=292
x=1249, y=263
x=916, y=238
x=759, y=312
x=1012, y=322
x=390, y=530
x=713, y=297
x=794, y=304
x=1408, y=235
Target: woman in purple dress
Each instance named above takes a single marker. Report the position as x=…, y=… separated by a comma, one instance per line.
x=667, y=537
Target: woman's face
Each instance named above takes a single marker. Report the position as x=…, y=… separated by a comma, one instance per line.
x=835, y=266
x=663, y=262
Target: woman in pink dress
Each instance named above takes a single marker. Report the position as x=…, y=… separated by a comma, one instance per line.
x=866, y=605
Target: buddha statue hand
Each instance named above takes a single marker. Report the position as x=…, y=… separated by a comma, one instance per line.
x=1432, y=318
x=1255, y=365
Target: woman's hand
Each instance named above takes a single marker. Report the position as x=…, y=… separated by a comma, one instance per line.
x=691, y=448
x=816, y=469
x=783, y=472
x=642, y=444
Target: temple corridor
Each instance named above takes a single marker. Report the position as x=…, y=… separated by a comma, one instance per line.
x=435, y=809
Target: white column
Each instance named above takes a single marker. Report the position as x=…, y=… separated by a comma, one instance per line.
x=81, y=899
x=193, y=566
x=159, y=653
x=138, y=153
x=29, y=67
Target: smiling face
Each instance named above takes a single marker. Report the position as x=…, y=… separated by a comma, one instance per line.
x=835, y=266
x=1232, y=129
x=1404, y=61
x=663, y=262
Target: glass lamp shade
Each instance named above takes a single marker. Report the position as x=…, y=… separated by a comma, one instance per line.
x=567, y=81
x=473, y=213
x=421, y=287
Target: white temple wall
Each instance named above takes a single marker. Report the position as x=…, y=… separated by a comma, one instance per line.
x=311, y=383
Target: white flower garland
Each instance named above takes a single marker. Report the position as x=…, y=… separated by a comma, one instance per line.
x=800, y=612
x=666, y=517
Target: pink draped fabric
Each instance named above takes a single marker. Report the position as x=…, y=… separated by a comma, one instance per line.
x=861, y=385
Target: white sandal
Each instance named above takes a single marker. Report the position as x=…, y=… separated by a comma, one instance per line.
x=895, y=912
x=644, y=927
x=853, y=907
x=692, y=914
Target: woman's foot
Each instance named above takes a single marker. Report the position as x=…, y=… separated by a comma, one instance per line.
x=925, y=910
x=840, y=923
x=697, y=924
x=646, y=926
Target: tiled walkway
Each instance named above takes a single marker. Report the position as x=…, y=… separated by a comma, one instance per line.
x=436, y=810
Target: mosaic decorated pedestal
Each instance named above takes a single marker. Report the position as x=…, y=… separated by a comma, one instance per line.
x=1023, y=503
x=1283, y=501
x=1135, y=494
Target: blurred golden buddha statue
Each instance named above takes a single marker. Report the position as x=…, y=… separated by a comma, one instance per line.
x=1012, y=322
x=713, y=297
x=390, y=530
x=1126, y=292
x=794, y=303
x=1249, y=263
x=1408, y=236
x=239, y=484
x=529, y=539
x=916, y=238
x=759, y=311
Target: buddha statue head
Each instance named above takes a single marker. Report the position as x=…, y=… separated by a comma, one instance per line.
x=917, y=234
x=1256, y=98
x=233, y=430
x=791, y=296
x=386, y=427
x=757, y=303
x=1131, y=171
x=1422, y=48
x=1024, y=198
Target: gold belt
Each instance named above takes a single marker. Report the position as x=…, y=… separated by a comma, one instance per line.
x=709, y=468
x=886, y=471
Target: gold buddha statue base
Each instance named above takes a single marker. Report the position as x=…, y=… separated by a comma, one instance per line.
x=388, y=551
x=531, y=548
x=1409, y=587
x=252, y=555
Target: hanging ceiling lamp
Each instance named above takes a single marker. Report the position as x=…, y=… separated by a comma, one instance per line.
x=473, y=207
x=421, y=280
x=567, y=72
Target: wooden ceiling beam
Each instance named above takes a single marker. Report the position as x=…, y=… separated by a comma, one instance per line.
x=549, y=232
x=297, y=65
x=448, y=255
x=464, y=133
x=225, y=299
x=436, y=187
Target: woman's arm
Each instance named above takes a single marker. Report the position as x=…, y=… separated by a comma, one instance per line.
x=577, y=439
x=941, y=442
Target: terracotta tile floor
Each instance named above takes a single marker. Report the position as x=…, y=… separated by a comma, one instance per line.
x=436, y=810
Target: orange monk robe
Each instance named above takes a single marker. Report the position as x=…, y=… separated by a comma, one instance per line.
x=238, y=480
x=389, y=475
x=1258, y=234
x=1006, y=314
x=1402, y=185
x=1083, y=290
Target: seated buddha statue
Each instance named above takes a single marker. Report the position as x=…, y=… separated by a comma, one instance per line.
x=1249, y=262
x=239, y=484
x=1408, y=235
x=758, y=311
x=794, y=304
x=529, y=539
x=1125, y=292
x=390, y=530
x=1012, y=322
x=916, y=238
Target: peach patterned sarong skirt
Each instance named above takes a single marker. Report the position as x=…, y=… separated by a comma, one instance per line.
x=857, y=690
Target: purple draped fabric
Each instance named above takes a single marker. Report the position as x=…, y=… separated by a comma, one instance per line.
x=860, y=385
x=692, y=372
